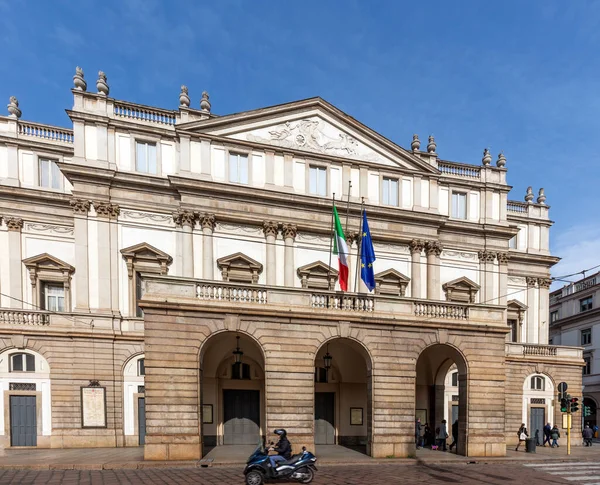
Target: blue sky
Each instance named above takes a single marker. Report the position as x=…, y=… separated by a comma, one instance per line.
x=518, y=76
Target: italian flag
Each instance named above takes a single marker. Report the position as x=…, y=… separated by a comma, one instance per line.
x=341, y=249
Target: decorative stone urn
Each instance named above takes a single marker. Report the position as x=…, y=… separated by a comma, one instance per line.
x=78, y=80
x=431, y=146
x=541, y=197
x=501, y=162
x=529, y=195
x=487, y=157
x=184, y=99
x=101, y=84
x=204, y=102
x=416, y=143
x=13, y=107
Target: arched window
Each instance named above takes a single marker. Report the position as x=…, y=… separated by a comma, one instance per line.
x=538, y=383
x=239, y=370
x=22, y=362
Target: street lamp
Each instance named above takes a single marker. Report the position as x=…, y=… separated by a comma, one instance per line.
x=237, y=353
x=327, y=358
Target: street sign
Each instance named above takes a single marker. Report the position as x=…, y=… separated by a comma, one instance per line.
x=562, y=387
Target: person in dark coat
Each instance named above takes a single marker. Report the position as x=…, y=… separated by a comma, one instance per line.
x=547, y=431
x=427, y=439
x=588, y=434
x=418, y=433
x=555, y=434
x=283, y=448
x=522, y=434
x=454, y=434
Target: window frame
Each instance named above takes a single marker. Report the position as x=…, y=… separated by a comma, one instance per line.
x=586, y=370
x=239, y=154
x=147, y=142
x=52, y=163
x=141, y=367
x=585, y=336
x=388, y=179
x=454, y=378
x=44, y=300
x=554, y=316
x=318, y=168
x=513, y=243
x=589, y=305
x=464, y=194
x=25, y=359
x=533, y=383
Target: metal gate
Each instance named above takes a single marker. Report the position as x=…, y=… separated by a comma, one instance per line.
x=241, y=417
x=537, y=418
x=324, y=418
x=142, y=420
x=23, y=421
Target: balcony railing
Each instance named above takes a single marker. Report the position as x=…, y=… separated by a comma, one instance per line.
x=459, y=170
x=516, y=206
x=24, y=317
x=537, y=350
x=45, y=132
x=236, y=294
x=138, y=112
x=356, y=303
x=441, y=310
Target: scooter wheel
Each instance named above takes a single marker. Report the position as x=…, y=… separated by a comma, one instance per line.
x=305, y=475
x=254, y=477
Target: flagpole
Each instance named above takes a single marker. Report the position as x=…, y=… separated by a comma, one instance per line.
x=347, y=216
x=330, y=242
x=358, y=260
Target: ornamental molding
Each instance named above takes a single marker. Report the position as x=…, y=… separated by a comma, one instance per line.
x=462, y=255
x=486, y=256
x=146, y=216
x=544, y=282
x=416, y=246
x=433, y=248
x=237, y=228
x=106, y=209
x=185, y=218
x=14, y=223
x=518, y=280
x=531, y=281
x=80, y=206
x=51, y=228
x=289, y=231
x=313, y=238
x=503, y=257
x=207, y=221
x=270, y=228
x=395, y=248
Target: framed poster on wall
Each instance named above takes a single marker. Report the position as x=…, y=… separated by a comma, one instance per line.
x=93, y=407
x=356, y=416
x=207, y=414
x=422, y=415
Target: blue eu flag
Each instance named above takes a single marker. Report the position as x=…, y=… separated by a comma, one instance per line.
x=367, y=255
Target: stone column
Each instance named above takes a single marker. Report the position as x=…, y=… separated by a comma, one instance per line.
x=15, y=257
x=81, y=208
x=433, y=249
x=531, y=335
x=270, y=230
x=543, y=312
x=486, y=272
x=107, y=276
x=186, y=220
x=289, y=232
x=415, y=247
x=503, y=277
x=207, y=222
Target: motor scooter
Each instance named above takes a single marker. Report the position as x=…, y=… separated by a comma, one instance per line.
x=299, y=468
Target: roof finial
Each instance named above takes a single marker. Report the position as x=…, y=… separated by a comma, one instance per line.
x=487, y=157
x=204, y=102
x=416, y=143
x=431, y=146
x=13, y=107
x=78, y=80
x=541, y=197
x=184, y=99
x=501, y=162
x=101, y=84
x=529, y=195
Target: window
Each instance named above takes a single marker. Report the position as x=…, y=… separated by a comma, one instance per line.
x=22, y=363
x=587, y=368
x=538, y=383
x=141, y=367
x=459, y=205
x=145, y=160
x=585, y=304
x=320, y=374
x=138, y=295
x=455, y=379
x=53, y=297
x=389, y=192
x=553, y=316
x=238, y=168
x=50, y=175
x=318, y=181
x=239, y=370
x=586, y=336
x=550, y=341
x=512, y=244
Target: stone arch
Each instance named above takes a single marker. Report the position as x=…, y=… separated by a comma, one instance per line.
x=365, y=351
x=134, y=423
x=538, y=405
x=237, y=329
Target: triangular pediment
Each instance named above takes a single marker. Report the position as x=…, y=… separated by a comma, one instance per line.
x=311, y=126
x=47, y=261
x=516, y=305
x=145, y=251
x=239, y=260
x=463, y=283
x=392, y=275
x=317, y=268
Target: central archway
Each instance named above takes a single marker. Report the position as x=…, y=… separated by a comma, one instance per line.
x=232, y=391
x=343, y=395
x=441, y=394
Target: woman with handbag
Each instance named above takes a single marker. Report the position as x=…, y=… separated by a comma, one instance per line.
x=522, y=434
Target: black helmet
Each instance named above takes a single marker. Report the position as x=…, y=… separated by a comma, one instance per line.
x=281, y=432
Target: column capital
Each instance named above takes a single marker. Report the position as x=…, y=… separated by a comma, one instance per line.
x=289, y=231
x=503, y=257
x=106, y=209
x=352, y=237
x=270, y=228
x=207, y=221
x=531, y=281
x=14, y=223
x=544, y=282
x=416, y=246
x=433, y=248
x=185, y=218
x=80, y=206
x=486, y=256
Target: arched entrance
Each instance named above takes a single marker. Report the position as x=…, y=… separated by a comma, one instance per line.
x=134, y=402
x=592, y=419
x=441, y=393
x=232, y=391
x=343, y=403
x=538, y=404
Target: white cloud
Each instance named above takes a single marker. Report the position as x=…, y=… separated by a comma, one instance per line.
x=579, y=248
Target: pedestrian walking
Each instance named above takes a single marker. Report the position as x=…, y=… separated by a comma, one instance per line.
x=442, y=436
x=418, y=433
x=454, y=435
x=547, y=432
x=555, y=434
x=588, y=434
x=522, y=434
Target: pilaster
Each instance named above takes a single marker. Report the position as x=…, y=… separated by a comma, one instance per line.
x=12, y=165
x=543, y=310
x=416, y=248
x=503, y=277
x=486, y=269
x=207, y=223
x=186, y=220
x=270, y=230
x=81, y=208
x=289, y=232
x=532, y=312
x=15, y=257
x=433, y=249
x=106, y=215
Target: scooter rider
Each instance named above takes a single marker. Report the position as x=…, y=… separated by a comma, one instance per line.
x=283, y=448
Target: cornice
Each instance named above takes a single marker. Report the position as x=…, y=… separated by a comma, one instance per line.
x=37, y=144
x=519, y=257
x=593, y=314
x=17, y=195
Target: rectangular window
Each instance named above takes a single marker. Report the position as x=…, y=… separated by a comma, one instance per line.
x=459, y=205
x=455, y=379
x=145, y=157
x=238, y=168
x=53, y=297
x=141, y=367
x=389, y=195
x=138, y=295
x=318, y=181
x=585, y=304
x=587, y=368
x=50, y=175
x=22, y=363
x=586, y=336
x=553, y=316
x=512, y=244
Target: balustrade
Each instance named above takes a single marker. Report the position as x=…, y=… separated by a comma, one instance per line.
x=441, y=310
x=23, y=317
x=459, y=170
x=241, y=294
x=343, y=302
x=516, y=206
x=45, y=132
x=141, y=113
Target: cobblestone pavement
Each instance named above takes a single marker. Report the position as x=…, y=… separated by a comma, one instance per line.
x=479, y=474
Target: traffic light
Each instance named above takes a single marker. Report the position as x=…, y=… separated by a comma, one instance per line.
x=574, y=405
x=587, y=411
x=564, y=405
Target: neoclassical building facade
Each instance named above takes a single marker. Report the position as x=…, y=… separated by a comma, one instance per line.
x=166, y=281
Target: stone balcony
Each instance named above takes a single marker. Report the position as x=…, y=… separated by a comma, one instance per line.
x=327, y=305
x=540, y=353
